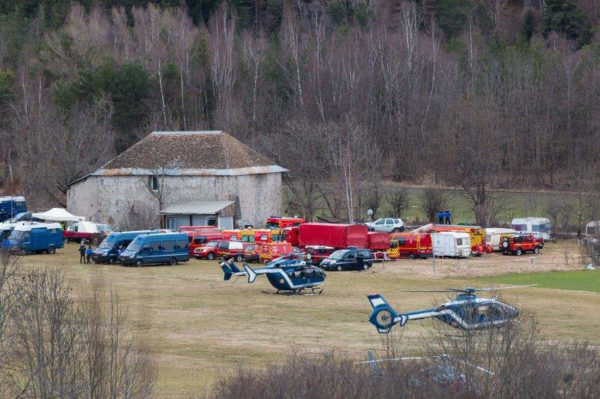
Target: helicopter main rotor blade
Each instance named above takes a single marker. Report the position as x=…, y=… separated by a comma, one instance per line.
x=503, y=288
x=448, y=290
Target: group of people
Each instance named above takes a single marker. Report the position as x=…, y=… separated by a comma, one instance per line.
x=85, y=254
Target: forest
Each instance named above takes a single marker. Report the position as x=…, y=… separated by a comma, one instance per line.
x=478, y=94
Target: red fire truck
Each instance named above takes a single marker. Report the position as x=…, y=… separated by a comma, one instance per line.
x=411, y=245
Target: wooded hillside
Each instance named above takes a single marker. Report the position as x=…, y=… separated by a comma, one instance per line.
x=486, y=93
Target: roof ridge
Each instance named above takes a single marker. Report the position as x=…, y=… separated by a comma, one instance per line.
x=122, y=152
x=225, y=150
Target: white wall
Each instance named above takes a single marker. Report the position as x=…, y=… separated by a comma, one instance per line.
x=109, y=198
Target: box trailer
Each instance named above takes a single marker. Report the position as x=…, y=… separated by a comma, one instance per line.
x=451, y=244
x=533, y=225
x=334, y=235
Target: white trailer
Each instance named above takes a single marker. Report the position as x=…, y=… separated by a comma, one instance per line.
x=451, y=244
x=492, y=236
x=533, y=225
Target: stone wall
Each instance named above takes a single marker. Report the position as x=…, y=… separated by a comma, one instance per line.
x=111, y=198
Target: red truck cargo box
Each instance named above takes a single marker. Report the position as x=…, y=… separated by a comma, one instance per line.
x=378, y=241
x=333, y=235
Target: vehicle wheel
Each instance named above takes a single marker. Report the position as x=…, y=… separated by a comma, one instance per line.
x=211, y=256
x=239, y=258
x=519, y=252
x=139, y=263
x=339, y=268
x=536, y=250
x=172, y=262
x=396, y=230
x=51, y=250
x=411, y=256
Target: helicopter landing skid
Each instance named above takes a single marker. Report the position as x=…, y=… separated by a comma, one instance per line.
x=313, y=291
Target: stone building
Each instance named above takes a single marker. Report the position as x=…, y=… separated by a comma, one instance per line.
x=182, y=178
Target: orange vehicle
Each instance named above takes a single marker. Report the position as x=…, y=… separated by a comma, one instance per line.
x=256, y=235
x=278, y=235
x=411, y=245
x=274, y=250
x=476, y=234
x=232, y=235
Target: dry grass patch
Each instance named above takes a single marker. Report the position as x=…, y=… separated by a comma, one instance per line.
x=197, y=325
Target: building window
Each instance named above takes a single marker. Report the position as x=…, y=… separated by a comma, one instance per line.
x=154, y=183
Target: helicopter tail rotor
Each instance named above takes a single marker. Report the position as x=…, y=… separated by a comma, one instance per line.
x=384, y=316
x=251, y=274
x=227, y=271
x=233, y=267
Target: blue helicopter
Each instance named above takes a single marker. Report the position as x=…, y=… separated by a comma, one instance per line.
x=466, y=312
x=285, y=274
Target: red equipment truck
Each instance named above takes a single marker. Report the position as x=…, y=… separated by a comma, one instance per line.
x=338, y=236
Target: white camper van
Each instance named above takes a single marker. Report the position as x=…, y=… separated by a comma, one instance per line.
x=447, y=243
x=492, y=236
x=537, y=226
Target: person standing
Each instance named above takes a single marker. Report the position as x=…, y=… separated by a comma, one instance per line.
x=88, y=253
x=82, y=253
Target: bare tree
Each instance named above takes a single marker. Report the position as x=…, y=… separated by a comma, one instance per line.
x=398, y=200
x=433, y=200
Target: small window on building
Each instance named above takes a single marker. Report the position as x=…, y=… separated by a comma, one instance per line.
x=154, y=183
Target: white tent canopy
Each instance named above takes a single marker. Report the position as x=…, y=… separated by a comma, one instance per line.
x=58, y=215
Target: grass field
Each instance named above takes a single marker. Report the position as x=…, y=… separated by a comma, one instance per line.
x=198, y=326
x=513, y=204
x=580, y=280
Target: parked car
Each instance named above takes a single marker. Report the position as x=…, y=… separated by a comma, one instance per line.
x=386, y=225
x=158, y=248
x=199, y=237
x=33, y=237
x=207, y=251
x=317, y=253
x=348, y=259
x=518, y=244
x=231, y=249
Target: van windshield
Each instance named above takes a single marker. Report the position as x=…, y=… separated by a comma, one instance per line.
x=135, y=245
x=18, y=235
x=338, y=254
x=108, y=242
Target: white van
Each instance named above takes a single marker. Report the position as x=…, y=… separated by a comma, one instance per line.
x=452, y=244
x=537, y=226
x=492, y=236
